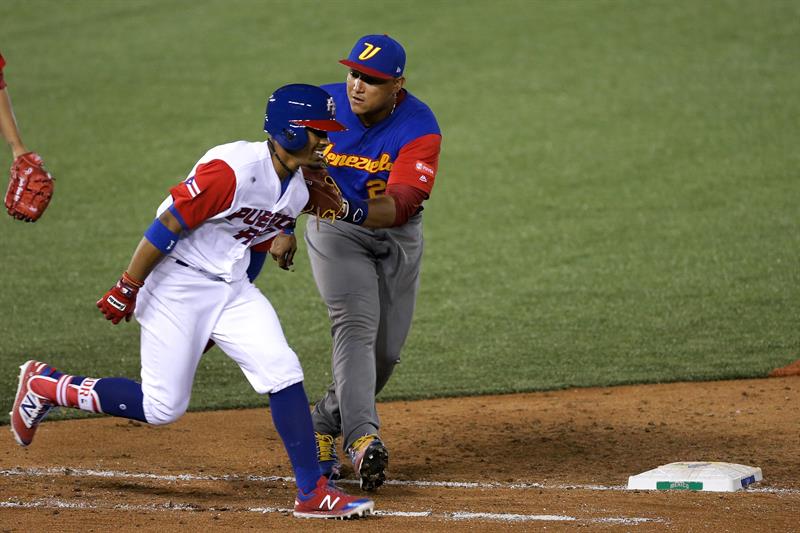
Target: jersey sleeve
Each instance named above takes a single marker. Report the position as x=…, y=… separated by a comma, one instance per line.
x=207, y=193
x=407, y=201
x=417, y=162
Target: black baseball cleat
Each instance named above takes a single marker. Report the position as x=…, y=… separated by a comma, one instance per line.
x=370, y=459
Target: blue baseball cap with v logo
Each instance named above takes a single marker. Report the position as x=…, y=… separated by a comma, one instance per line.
x=379, y=56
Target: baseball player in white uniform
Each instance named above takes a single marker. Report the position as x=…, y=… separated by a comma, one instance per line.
x=190, y=280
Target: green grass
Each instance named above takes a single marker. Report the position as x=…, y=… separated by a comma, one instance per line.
x=618, y=200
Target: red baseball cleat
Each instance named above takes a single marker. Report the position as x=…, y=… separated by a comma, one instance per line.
x=29, y=408
x=327, y=501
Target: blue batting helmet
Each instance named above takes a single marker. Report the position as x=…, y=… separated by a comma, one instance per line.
x=293, y=108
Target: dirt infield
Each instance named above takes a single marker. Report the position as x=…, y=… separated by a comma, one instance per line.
x=555, y=461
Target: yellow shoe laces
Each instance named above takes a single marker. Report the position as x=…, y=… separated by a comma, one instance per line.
x=326, y=447
x=362, y=442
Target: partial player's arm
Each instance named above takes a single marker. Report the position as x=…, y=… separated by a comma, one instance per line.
x=154, y=246
x=160, y=238
x=205, y=194
x=30, y=186
x=410, y=183
x=395, y=207
x=281, y=247
x=8, y=125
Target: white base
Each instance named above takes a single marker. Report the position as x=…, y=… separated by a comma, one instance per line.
x=697, y=476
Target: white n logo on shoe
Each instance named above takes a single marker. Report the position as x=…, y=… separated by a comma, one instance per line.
x=330, y=503
x=30, y=409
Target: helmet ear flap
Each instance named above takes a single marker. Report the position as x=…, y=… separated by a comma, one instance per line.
x=291, y=139
x=280, y=128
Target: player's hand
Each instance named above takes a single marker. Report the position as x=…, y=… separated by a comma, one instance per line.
x=120, y=300
x=283, y=249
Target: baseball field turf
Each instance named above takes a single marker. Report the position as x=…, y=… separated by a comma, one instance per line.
x=618, y=198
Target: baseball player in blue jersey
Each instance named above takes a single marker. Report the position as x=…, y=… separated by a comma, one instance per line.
x=190, y=280
x=367, y=264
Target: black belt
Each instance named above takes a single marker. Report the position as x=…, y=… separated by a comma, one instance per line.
x=212, y=277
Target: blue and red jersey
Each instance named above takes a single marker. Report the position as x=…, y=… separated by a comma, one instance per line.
x=403, y=148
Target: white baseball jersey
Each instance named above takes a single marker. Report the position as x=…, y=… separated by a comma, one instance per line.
x=231, y=201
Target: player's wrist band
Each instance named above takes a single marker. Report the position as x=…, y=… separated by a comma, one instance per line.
x=357, y=211
x=161, y=236
x=288, y=230
x=130, y=280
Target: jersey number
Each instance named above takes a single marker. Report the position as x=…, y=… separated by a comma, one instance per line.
x=375, y=188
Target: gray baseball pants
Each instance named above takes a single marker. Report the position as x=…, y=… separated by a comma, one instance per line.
x=368, y=278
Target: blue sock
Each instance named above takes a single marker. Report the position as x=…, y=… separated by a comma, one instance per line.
x=55, y=374
x=292, y=418
x=52, y=372
x=120, y=397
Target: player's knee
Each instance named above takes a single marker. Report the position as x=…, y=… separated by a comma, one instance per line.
x=159, y=413
x=353, y=328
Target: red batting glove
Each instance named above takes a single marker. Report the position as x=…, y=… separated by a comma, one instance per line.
x=120, y=300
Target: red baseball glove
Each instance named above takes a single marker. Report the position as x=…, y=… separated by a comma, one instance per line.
x=30, y=188
x=324, y=197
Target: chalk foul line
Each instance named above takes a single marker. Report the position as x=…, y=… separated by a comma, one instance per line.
x=85, y=472
x=55, y=503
